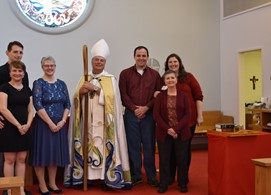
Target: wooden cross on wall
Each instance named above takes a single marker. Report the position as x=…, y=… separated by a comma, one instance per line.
x=253, y=79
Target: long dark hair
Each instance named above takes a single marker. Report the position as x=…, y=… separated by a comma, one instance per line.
x=181, y=73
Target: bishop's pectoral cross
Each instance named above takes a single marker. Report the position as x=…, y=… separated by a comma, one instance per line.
x=253, y=79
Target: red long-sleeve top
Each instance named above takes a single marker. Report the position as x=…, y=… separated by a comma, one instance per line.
x=192, y=89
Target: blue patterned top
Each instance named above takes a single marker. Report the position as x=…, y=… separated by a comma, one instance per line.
x=53, y=97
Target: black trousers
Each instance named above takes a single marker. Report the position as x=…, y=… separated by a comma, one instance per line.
x=189, y=153
x=179, y=149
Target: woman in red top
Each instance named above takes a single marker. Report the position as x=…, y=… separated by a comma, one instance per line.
x=171, y=114
x=190, y=86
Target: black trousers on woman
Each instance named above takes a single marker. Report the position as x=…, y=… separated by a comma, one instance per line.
x=166, y=149
x=189, y=153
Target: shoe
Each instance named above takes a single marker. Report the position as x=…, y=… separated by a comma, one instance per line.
x=162, y=189
x=5, y=192
x=136, y=181
x=44, y=193
x=184, y=189
x=127, y=186
x=153, y=182
x=27, y=192
x=57, y=191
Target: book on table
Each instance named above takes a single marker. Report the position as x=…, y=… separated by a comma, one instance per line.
x=224, y=127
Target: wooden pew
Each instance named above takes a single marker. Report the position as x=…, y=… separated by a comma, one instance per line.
x=210, y=118
x=13, y=183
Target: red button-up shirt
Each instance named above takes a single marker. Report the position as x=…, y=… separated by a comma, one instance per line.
x=137, y=89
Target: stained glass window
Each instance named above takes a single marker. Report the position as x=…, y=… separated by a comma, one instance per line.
x=52, y=16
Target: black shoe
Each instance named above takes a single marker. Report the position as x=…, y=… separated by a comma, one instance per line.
x=5, y=192
x=44, y=193
x=127, y=186
x=184, y=189
x=136, y=181
x=162, y=189
x=27, y=192
x=57, y=191
x=153, y=182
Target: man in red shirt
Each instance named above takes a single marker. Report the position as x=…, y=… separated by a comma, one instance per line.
x=137, y=85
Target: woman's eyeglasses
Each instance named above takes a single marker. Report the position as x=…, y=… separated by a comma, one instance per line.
x=48, y=65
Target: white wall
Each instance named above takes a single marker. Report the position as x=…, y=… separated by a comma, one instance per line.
x=246, y=31
x=187, y=27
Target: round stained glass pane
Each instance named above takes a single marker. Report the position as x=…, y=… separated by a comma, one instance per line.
x=52, y=16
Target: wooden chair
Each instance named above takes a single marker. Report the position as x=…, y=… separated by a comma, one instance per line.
x=13, y=183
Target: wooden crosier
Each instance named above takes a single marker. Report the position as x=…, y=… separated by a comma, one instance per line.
x=85, y=138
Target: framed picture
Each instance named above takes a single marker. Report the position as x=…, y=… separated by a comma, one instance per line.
x=52, y=16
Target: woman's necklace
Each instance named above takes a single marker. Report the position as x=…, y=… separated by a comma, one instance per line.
x=18, y=89
x=16, y=86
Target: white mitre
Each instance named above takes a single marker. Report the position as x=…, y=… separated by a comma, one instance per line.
x=100, y=49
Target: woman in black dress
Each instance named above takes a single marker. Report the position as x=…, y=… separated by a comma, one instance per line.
x=17, y=109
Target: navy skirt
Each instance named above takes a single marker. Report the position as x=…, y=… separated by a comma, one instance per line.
x=48, y=148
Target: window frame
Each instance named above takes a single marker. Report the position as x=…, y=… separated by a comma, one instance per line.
x=52, y=30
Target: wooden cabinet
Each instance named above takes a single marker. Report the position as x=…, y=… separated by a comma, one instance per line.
x=257, y=119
